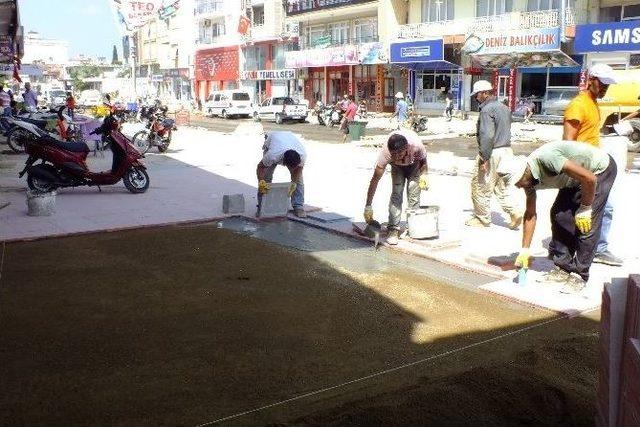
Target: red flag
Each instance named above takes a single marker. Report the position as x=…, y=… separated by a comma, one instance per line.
x=243, y=25
x=16, y=67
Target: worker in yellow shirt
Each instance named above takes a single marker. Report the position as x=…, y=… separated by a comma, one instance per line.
x=582, y=124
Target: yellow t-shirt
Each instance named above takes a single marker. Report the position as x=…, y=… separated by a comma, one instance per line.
x=584, y=109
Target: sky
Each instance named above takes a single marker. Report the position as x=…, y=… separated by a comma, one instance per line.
x=88, y=25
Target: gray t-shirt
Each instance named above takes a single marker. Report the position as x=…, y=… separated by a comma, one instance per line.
x=546, y=162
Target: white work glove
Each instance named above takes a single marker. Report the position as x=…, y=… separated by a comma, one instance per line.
x=583, y=219
x=368, y=214
x=522, y=260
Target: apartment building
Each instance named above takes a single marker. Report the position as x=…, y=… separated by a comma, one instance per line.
x=165, y=52
x=263, y=71
x=343, y=49
x=523, y=46
x=218, y=41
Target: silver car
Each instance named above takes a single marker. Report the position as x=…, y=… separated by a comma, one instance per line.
x=558, y=97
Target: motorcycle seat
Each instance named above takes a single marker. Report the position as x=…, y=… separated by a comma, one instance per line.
x=74, y=147
x=37, y=122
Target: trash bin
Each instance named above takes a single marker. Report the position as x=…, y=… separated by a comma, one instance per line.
x=356, y=130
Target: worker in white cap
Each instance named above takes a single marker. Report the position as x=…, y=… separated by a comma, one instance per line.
x=582, y=124
x=583, y=176
x=494, y=147
x=402, y=110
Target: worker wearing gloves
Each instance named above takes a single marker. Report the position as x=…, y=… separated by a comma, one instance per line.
x=284, y=148
x=584, y=175
x=408, y=159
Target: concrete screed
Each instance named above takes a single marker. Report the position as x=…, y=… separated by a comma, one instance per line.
x=233, y=204
x=189, y=181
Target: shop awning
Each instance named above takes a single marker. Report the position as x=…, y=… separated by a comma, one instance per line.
x=553, y=58
x=429, y=65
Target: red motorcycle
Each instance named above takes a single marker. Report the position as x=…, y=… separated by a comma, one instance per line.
x=63, y=164
x=158, y=133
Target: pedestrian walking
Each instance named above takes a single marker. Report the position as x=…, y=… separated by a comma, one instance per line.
x=582, y=124
x=283, y=148
x=349, y=117
x=494, y=147
x=408, y=158
x=30, y=98
x=71, y=105
x=401, y=111
x=583, y=175
x=448, y=110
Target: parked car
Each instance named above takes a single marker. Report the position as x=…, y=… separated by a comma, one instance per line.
x=557, y=100
x=57, y=98
x=229, y=103
x=90, y=98
x=280, y=109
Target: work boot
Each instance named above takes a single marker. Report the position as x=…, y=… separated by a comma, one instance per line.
x=476, y=222
x=574, y=284
x=300, y=213
x=607, y=258
x=393, y=236
x=516, y=220
x=555, y=276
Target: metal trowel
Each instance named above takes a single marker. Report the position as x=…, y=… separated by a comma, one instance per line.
x=372, y=231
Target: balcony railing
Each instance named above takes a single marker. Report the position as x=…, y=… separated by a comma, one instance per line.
x=487, y=24
x=305, y=43
x=209, y=6
x=296, y=7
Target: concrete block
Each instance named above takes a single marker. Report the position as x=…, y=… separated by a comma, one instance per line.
x=233, y=203
x=276, y=202
x=327, y=216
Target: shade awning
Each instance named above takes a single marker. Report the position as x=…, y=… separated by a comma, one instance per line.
x=429, y=65
x=553, y=58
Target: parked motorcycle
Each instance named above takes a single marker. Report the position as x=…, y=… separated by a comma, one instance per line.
x=318, y=110
x=20, y=128
x=63, y=164
x=158, y=134
x=333, y=115
x=418, y=123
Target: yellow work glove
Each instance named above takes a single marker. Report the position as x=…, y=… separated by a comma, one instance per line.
x=263, y=187
x=423, y=182
x=368, y=214
x=583, y=219
x=292, y=188
x=522, y=261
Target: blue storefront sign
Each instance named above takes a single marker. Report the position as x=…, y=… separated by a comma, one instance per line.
x=608, y=37
x=417, y=51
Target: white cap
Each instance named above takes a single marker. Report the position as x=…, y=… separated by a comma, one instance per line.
x=512, y=169
x=481, y=86
x=399, y=95
x=604, y=73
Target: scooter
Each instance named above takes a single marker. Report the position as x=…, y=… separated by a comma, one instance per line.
x=63, y=164
x=418, y=123
x=333, y=115
x=157, y=134
x=319, y=112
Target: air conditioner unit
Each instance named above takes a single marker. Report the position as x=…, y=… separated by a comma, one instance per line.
x=206, y=23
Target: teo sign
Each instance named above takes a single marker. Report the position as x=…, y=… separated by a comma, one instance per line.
x=608, y=37
x=134, y=14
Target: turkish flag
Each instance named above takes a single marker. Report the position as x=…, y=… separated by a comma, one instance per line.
x=16, y=67
x=243, y=25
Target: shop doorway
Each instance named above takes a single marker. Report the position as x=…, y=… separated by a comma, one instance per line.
x=338, y=85
x=389, y=93
x=502, y=91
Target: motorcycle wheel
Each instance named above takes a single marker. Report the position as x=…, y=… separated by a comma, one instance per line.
x=136, y=180
x=39, y=185
x=15, y=139
x=165, y=145
x=141, y=141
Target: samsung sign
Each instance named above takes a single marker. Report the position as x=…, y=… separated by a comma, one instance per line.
x=417, y=51
x=608, y=37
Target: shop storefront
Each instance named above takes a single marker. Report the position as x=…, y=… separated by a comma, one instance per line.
x=430, y=75
x=327, y=74
x=269, y=83
x=175, y=83
x=523, y=63
x=216, y=69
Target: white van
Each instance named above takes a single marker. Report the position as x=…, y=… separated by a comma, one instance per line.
x=228, y=103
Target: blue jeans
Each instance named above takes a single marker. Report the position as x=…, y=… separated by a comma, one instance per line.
x=607, y=217
x=297, y=199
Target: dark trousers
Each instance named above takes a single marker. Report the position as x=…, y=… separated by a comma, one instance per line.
x=573, y=251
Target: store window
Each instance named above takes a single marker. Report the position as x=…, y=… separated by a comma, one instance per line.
x=437, y=10
x=279, y=54
x=366, y=79
x=493, y=7
x=313, y=33
x=258, y=15
x=365, y=30
x=317, y=85
x=339, y=32
x=533, y=5
x=255, y=58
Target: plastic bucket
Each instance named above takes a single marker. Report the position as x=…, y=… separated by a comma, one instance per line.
x=423, y=222
x=41, y=204
x=356, y=130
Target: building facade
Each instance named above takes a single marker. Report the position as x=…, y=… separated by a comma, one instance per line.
x=47, y=51
x=343, y=49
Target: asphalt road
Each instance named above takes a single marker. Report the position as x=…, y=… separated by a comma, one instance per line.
x=461, y=147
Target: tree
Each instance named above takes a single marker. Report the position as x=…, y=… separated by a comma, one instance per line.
x=114, y=57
